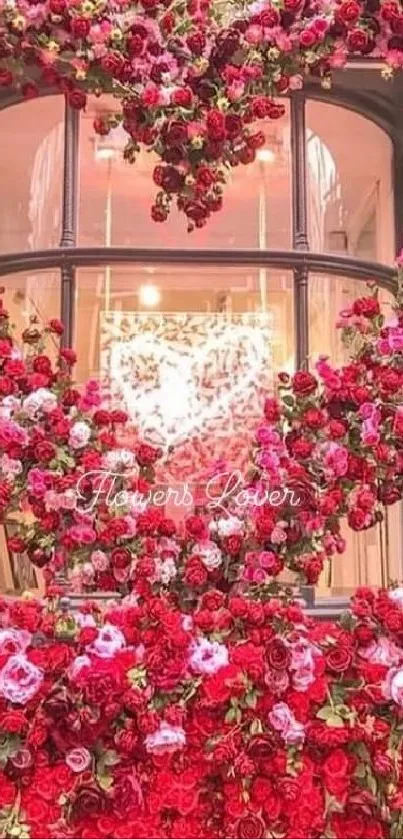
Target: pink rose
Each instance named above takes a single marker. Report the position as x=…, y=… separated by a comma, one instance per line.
x=393, y=686
x=14, y=641
x=99, y=560
x=282, y=720
x=78, y=760
x=82, y=534
x=254, y=34
x=20, y=680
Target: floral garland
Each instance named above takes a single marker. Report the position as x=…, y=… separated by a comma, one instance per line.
x=191, y=79
x=245, y=721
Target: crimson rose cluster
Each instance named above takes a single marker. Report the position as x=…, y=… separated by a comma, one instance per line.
x=240, y=720
x=191, y=78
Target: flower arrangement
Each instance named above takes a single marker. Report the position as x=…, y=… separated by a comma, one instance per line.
x=242, y=720
x=191, y=79
x=54, y=443
x=334, y=441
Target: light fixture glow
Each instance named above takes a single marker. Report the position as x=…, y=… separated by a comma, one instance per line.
x=104, y=153
x=149, y=295
x=266, y=155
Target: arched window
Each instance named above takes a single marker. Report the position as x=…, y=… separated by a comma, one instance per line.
x=301, y=230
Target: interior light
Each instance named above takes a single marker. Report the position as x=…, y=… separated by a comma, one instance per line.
x=149, y=295
x=104, y=153
x=266, y=155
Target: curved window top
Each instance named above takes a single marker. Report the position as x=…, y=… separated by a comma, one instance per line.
x=31, y=174
x=116, y=197
x=350, y=189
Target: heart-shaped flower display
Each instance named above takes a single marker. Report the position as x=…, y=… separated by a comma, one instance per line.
x=193, y=380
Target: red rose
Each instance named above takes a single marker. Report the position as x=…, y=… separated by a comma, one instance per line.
x=389, y=380
x=177, y=133
x=5, y=348
x=303, y=383
x=232, y=544
x=182, y=97
x=88, y=802
x=147, y=455
x=121, y=558
x=278, y=656
x=358, y=519
x=338, y=659
x=357, y=40
x=42, y=364
x=308, y=38
x=337, y=428
x=57, y=7
x=77, y=99
x=272, y=410
x=8, y=791
x=250, y=827
x=56, y=326
x=16, y=544
x=14, y=722
x=302, y=448
x=136, y=45
x=80, y=27
x=45, y=451
x=336, y=765
x=101, y=418
x=216, y=125
x=169, y=178
x=367, y=307
x=195, y=572
x=113, y=63
x=349, y=11
x=6, y=78
x=196, y=42
x=196, y=527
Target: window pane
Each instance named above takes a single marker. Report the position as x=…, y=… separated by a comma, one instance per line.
x=116, y=197
x=374, y=556
x=32, y=294
x=185, y=349
x=31, y=171
x=350, y=199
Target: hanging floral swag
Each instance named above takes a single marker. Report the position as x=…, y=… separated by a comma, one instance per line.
x=191, y=79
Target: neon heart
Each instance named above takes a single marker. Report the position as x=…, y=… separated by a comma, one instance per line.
x=177, y=392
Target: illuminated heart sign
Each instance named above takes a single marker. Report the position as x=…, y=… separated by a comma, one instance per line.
x=187, y=377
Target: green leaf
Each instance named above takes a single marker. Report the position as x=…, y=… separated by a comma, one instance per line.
x=324, y=713
x=105, y=781
x=334, y=721
x=256, y=727
x=251, y=700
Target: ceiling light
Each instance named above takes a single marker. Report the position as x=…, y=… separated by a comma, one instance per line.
x=149, y=295
x=104, y=153
x=266, y=155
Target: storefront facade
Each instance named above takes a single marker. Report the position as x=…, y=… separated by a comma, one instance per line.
x=304, y=227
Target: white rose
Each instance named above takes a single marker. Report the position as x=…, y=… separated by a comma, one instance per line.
x=110, y=641
x=230, y=525
x=80, y=434
x=208, y=656
x=393, y=687
x=167, y=738
x=209, y=554
x=396, y=594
